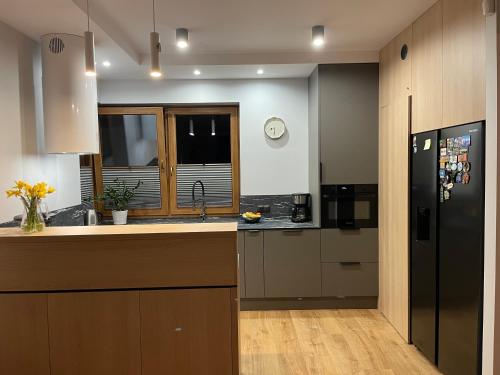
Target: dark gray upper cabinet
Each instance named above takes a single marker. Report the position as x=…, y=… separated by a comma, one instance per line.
x=254, y=264
x=292, y=264
x=339, y=245
x=241, y=263
x=348, y=123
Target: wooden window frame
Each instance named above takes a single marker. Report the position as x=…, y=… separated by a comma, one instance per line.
x=235, y=158
x=162, y=159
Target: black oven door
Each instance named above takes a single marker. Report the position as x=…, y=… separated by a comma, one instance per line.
x=349, y=206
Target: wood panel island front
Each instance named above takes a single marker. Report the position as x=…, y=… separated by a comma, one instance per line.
x=120, y=300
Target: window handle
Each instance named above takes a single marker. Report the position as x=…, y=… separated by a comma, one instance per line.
x=171, y=170
x=162, y=165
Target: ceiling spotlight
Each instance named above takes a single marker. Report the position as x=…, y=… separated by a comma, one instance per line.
x=155, y=47
x=196, y=72
x=89, y=48
x=318, y=35
x=260, y=71
x=106, y=63
x=182, y=38
x=213, y=127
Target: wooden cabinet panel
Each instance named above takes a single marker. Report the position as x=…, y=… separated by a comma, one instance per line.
x=394, y=213
x=427, y=70
x=24, y=339
x=393, y=181
x=464, y=62
x=241, y=264
x=349, y=245
x=343, y=87
x=186, y=331
x=94, y=333
x=118, y=261
x=254, y=264
x=349, y=279
x=395, y=73
x=292, y=264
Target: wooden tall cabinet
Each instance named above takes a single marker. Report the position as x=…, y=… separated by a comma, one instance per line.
x=440, y=84
x=394, y=123
x=427, y=70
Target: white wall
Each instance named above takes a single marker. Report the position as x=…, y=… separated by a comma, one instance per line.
x=21, y=128
x=267, y=167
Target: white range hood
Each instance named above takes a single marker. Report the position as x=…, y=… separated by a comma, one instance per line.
x=69, y=97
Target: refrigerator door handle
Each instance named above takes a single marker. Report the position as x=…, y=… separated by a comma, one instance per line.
x=423, y=224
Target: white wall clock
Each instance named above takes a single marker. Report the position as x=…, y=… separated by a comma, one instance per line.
x=275, y=128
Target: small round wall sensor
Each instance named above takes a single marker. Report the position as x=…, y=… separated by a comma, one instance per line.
x=404, y=52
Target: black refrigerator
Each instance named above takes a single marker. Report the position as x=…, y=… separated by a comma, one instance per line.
x=446, y=247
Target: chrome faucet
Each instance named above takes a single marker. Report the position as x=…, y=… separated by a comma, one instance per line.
x=203, y=214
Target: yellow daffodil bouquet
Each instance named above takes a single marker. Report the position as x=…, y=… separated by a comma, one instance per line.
x=31, y=196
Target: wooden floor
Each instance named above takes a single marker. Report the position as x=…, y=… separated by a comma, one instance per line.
x=325, y=342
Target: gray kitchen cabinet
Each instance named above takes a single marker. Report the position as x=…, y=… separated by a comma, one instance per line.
x=339, y=245
x=348, y=123
x=241, y=263
x=292, y=264
x=254, y=264
x=349, y=279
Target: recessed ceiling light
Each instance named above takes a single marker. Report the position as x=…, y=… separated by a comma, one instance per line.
x=182, y=38
x=106, y=63
x=196, y=72
x=260, y=71
x=318, y=35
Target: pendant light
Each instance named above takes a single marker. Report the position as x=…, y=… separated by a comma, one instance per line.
x=89, y=48
x=191, y=127
x=213, y=126
x=155, y=46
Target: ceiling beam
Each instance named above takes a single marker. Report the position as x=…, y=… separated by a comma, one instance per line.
x=313, y=57
x=107, y=24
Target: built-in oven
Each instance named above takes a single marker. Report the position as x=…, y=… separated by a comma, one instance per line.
x=349, y=206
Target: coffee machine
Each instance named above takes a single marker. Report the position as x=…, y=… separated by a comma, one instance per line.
x=301, y=209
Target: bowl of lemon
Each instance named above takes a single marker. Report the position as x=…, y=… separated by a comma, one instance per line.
x=251, y=217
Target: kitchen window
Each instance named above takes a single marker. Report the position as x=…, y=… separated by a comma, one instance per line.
x=204, y=145
x=168, y=150
x=133, y=149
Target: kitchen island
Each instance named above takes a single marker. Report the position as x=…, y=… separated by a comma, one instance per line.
x=135, y=299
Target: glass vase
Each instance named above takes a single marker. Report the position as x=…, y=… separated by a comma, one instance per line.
x=32, y=220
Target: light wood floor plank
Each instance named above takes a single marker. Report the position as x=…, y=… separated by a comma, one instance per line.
x=325, y=342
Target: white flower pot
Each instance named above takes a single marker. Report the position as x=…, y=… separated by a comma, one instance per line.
x=119, y=217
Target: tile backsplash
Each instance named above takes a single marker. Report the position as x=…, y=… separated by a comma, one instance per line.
x=280, y=205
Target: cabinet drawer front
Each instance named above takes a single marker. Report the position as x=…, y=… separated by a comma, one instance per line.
x=349, y=245
x=292, y=265
x=350, y=279
x=254, y=264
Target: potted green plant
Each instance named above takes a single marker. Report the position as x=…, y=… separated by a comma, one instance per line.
x=118, y=197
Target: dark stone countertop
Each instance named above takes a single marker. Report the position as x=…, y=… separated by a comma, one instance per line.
x=265, y=223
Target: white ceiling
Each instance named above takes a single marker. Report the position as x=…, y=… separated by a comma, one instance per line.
x=228, y=38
